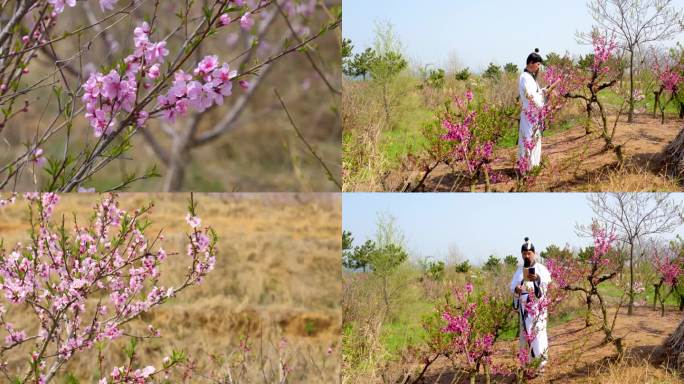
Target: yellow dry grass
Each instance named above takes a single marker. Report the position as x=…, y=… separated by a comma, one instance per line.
x=277, y=276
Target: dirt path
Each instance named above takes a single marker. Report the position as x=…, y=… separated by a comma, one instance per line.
x=578, y=162
x=577, y=354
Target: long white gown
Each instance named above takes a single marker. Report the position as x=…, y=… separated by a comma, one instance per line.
x=540, y=345
x=528, y=86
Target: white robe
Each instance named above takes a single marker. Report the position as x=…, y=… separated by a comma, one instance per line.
x=540, y=344
x=528, y=87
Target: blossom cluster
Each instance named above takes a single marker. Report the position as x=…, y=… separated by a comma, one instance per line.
x=459, y=129
x=669, y=76
x=538, y=116
x=603, y=242
x=58, y=274
x=565, y=272
x=604, y=48
x=567, y=80
x=669, y=266
x=106, y=95
x=476, y=346
x=207, y=85
x=58, y=5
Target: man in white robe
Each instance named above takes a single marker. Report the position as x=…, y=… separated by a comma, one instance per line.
x=530, y=91
x=531, y=279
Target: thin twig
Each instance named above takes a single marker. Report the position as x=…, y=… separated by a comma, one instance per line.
x=301, y=137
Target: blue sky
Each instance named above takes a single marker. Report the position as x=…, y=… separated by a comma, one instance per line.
x=478, y=224
x=476, y=32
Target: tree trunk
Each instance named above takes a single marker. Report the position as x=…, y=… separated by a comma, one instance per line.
x=656, y=102
x=587, y=320
x=587, y=125
x=608, y=138
x=674, y=348
x=630, y=308
x=630, y=117
x=175, y=173
x=656, y=294
x=385, y=101
x=673, y=156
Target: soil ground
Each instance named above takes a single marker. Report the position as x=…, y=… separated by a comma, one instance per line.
x=578, y=354
x=576, y=161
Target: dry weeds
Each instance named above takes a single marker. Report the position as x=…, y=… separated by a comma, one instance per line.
x=277, y=276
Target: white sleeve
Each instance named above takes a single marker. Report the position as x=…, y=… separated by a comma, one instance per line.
x=515, y=281
x=532, y=91
x=544, y=279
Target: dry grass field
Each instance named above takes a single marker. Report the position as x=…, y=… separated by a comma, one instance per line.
x=277, y=277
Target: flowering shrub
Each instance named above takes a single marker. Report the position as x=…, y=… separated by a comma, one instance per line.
x=466, y=330
x=586, y=276
x=601, y=74
x=471, y=138
x=80, y=286
x=669, y=266
x=669, y=75
x=463, y=137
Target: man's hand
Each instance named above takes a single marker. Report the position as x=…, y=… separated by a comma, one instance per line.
x=552, y=86
x=518, y=289
x=533, y=277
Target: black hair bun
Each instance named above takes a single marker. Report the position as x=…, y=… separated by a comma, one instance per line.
x=536, y=50
x=527, y=239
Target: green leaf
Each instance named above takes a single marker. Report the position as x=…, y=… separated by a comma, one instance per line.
x=129, y=350
x=71, y=379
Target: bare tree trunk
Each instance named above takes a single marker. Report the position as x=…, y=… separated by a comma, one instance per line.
x=587, y=319
x=630, y=307
x=673, y=349
x=673, y=156
x=386, y=106
x=608, y=138
x=630, y=116
x=179, y=155
x=656, y=294
x=175, y=174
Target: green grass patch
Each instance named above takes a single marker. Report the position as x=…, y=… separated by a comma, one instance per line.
x=649, y=295
x=610, y=290
x=563, y=125
x=613, y=291
x=407, y=329
x=511, y=332
x=406, y=136
x=397, y=337
x=564, y=318
x=509, y=139
x=611, y=98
